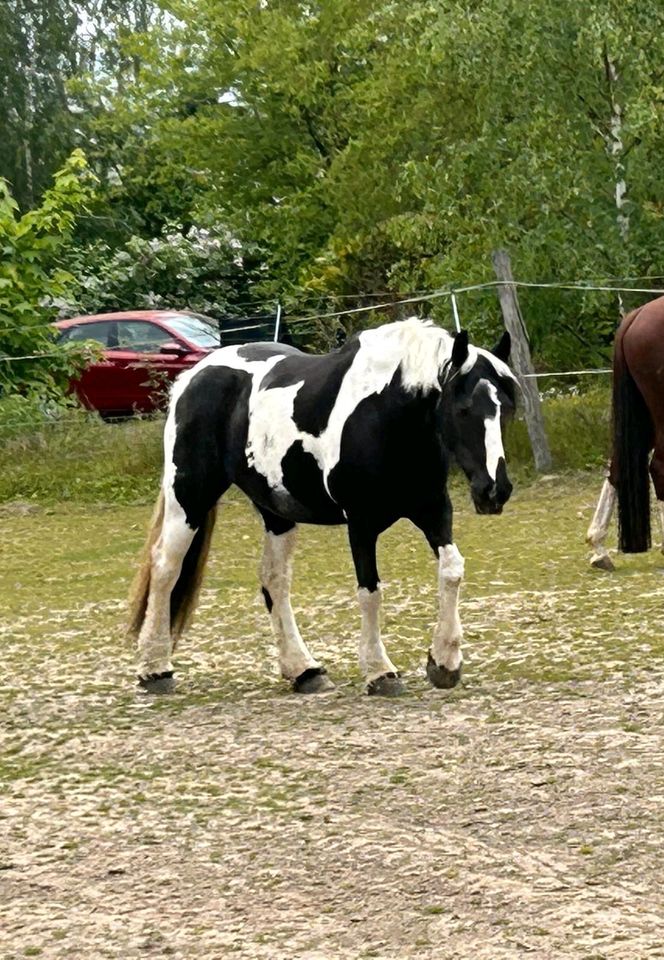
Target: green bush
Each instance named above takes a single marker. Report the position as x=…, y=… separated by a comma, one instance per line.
x=200, y=270
x=577, y=426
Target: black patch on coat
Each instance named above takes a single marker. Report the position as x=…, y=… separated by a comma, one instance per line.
x=392, y=459
x=274, y=523
x=211, y=431
x=322, y=377
x=304, y=481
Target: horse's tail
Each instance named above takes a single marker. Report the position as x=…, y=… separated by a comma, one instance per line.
x=184, y=595
x=140, y=588
x=632, y=443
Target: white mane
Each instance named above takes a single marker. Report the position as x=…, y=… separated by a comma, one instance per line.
x=416, y=346
x=422, y=349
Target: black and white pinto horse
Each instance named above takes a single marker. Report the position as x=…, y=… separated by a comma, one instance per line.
x=361, y=436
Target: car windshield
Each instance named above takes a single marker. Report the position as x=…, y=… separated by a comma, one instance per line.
x=199, y=330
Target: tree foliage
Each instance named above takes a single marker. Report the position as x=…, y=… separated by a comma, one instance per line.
x=364, y=146
x=200, y=269
x=32, y=282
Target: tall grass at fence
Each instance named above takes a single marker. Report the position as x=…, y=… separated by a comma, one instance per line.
x=57, y=455
x=577, y=426
x=54, y=456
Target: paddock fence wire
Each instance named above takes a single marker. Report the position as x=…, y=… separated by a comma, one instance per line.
x=271, y=320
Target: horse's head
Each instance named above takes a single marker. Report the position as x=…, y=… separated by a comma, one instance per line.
x=478, y=395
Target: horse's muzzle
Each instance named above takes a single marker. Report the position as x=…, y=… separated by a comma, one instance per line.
x=493, y=495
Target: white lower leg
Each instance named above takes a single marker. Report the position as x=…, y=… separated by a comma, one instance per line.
x=374, y=661
x=599, y=524
x=448, y=633
x=660, y=504
x=154, y=641
x=276, y=575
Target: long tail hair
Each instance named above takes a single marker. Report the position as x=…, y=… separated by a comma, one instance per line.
x=632, y=442
x=184, y=595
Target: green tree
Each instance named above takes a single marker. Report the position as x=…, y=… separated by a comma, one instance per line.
x=32, y=282
x=369, y=146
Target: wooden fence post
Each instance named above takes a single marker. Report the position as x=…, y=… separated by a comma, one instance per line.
x=520, y=360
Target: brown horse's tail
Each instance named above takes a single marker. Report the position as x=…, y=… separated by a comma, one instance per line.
x=632, y=442
x=184, y=595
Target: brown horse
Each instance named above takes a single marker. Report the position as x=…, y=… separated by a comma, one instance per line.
x=638, y=428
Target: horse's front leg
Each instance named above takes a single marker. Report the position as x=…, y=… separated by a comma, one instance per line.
x=380, y=673
x=445, y=657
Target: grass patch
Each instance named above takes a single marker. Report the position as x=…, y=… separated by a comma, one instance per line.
x=78, y=457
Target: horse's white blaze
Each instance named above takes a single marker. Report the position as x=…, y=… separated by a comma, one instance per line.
x=276, y=573
x=448, y=633
x=374, y=661
x=493, y=437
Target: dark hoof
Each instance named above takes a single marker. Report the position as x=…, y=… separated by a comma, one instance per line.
x=158, y=683
x=441, y=677
x=388, y=685
x=313, y=680
x=602, y=562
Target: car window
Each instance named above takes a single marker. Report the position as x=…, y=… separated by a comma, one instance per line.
x=197, y=329
x=140, y=336
x=90, y=331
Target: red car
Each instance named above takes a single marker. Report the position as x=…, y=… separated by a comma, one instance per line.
x=144, y=350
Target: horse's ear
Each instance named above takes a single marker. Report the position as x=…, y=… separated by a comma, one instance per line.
x=503, y=347
x=460, y=349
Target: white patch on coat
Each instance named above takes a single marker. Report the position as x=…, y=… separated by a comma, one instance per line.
x=493, y=437
x=266, y=445
x=498, y=365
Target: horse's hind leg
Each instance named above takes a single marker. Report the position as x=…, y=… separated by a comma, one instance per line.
x=155, y=670
x=599, y=526
x=276, y=571
x=657, y=475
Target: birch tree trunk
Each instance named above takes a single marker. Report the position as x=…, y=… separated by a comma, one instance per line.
x=615, y=144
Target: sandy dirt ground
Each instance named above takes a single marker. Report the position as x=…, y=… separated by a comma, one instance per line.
x=520, y=815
